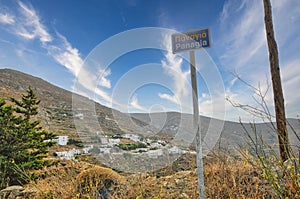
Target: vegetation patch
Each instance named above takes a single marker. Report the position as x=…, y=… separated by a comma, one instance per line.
x=131, y=146
x=77, y=143
x=23, y=142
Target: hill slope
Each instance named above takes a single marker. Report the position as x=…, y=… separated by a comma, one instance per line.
x=55, y=108
x=57, y=115
x=230, y=134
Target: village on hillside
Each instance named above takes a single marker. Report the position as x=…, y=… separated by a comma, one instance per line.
x=118, y=144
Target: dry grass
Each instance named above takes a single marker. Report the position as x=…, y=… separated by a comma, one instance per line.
x=98, y=181
x=229, y=177
x=58, y=181
x=225, y=177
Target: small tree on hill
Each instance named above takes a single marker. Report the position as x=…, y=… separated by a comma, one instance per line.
x=22, y=145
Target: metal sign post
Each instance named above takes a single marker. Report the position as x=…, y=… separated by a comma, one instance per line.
x=196, y=125
x=190, y=41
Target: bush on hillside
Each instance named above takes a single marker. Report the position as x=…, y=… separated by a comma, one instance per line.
x=23, y=143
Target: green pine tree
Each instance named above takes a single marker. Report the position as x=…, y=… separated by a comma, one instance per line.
x=22, y=146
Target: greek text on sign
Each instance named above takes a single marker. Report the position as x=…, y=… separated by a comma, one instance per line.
x=191, y=40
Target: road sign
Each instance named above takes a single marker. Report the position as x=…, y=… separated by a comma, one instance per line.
x=192, y=40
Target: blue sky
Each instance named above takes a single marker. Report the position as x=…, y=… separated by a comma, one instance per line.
x=61, y=41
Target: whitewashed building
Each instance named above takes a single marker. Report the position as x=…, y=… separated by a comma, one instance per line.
x=112, y=142
x=62, y=140
x=86, y=150
x=67, y=155
x=155, y=153
x=175, y=150
x=79, y=116
x=132, y=137
x=155, y=145
x=76, y=151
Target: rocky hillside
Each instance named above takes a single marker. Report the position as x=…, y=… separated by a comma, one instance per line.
x=57, y=115
x=230, y=134
x=55, y=108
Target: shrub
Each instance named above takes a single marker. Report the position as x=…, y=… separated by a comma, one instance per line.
x=23, y=143
x=131, y=146
x=97, y=182
x=283, y=177
x=77, y=143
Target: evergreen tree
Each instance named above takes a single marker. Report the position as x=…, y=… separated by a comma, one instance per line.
x=22, y=140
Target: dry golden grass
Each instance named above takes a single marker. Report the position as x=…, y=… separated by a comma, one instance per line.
x=225, y=177
x=58, y=181
x=234, y=178
x=97, y=180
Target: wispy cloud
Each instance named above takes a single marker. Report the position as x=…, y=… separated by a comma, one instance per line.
x=6, y=18
x=134, y=103
x=245, y=47
x=104, y=81
x=89, y=79
x=66, y=55
x=171, y=98
x=290, y=81
x=229, y=6
x=26, y=24
x=31, y=26
x=213, y=105
x=245, y=35
x=172, y=66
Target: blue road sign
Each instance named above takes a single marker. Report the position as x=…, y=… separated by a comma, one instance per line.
x=192, y=40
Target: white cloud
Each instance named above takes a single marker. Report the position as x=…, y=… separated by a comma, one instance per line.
x=63, y=52
x=27, y=24
x=88, y=78
x=245, y=35
x=30, y=26
x=7, y=18
x=290, y=83
x=92, y=76
x=135, y=104
x=286, y=16
x=66, y=55
x=229, y=7
x=172, y=66
x=171, y=98
x=104, y=81
x=213, y=105
x=245, y=49
x=105, y=96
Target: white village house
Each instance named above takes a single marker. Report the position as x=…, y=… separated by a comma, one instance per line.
x=112, y=142
x=62, y=140
x=79, y=116
x=68, y=155
x=132, y=137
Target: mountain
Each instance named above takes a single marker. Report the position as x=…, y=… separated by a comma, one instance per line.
x=225, y=134
x=56, y=110
x=58, y=114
